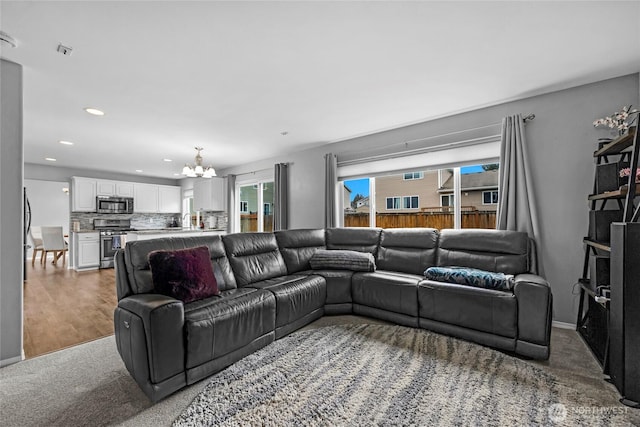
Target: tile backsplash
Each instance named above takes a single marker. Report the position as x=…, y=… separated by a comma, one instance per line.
x=148, y=221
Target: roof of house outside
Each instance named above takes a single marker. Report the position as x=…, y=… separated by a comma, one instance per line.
x=474, y=181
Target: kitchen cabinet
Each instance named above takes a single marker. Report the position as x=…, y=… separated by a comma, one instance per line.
x=169, y=199
x=114, y=188
x=86, y=251
x=145, y=198
x=209, y=194
x=83, y=194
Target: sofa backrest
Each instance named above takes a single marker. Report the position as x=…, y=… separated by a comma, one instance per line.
x=138, y=273
x=409, y=250
x=354, y=239
x=254, y=257
x=492, y=250
x=298, y=246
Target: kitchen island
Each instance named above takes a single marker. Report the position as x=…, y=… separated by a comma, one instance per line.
x=171, y=232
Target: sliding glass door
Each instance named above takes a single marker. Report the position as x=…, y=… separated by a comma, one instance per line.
x=256, y=206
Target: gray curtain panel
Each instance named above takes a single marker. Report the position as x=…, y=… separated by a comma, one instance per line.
x=517, y=209
x=232, y=207
x=331, y=179
x=281, y=197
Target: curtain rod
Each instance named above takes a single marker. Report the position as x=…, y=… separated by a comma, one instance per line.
x=526, y=118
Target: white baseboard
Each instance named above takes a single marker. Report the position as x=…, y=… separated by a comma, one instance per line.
x=7, y=362
x=563, y=325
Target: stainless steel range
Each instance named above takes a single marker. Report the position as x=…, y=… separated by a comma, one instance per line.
x=113, y=235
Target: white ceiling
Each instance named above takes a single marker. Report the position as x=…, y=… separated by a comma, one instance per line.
x=231, y=76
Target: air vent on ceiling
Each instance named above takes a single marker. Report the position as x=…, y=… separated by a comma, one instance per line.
x=6, y=38
x=65, y=50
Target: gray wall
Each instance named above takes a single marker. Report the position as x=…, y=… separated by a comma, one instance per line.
x=11, y=216
x=561, y=142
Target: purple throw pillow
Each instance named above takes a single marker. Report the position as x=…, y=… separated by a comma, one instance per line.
x=184, y=274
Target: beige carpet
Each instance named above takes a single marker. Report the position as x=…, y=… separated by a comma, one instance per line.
x=88, y=385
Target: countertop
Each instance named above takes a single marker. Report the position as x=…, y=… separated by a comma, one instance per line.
x=175, y=230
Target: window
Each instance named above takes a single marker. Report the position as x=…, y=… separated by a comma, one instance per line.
x=447, y=200
x=252, y=196
x=356, y=205
x=413, y=175
x=490, y=197
x=410, y=202
x=393, y=203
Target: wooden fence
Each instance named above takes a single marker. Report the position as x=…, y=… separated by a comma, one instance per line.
x=249, y=222
x=439, y=220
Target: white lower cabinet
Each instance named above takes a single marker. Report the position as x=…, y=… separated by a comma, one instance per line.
x=86, y=251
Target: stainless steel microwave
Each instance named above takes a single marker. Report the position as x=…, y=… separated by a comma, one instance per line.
x=114, y=205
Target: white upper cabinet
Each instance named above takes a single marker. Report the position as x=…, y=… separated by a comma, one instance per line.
x=83, y=194
x=169, y=199
x=124, y=189
x=105, y=188
x=209, y=194
x=145, y=198
x=114, y=188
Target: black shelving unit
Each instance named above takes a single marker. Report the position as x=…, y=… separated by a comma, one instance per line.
x=595, y=310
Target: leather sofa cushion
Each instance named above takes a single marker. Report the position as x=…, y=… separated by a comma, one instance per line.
x=254, y=257
x=408, y=250
x=387, y=290
x=354, y=239
x=492, y=250
x=185, y=274
x=296, y=296
x=136, y=255
x=338, y=285
x=486, y=310
x=298, y=246
x=219, y=325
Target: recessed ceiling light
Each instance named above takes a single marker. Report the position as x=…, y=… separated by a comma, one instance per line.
x=94, y=111
x=66, y=142
x=50, y=159
x=177, y=174
x=167, y=160
x=139, y=170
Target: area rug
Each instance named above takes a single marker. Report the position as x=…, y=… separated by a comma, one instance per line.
x=388, y=375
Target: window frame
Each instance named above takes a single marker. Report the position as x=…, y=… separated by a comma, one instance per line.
x=394, y=199
x=414, y=176
x=492, y=203
x=410, y=199
x=246, y=207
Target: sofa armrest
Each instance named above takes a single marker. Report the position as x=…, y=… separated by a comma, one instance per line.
x=535, y=303
x=162, y=320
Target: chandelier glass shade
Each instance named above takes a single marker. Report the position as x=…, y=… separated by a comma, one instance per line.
x=198, y=171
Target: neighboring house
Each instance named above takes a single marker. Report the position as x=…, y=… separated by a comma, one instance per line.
x=433, y=191
x=479, y=191
x=346, y=198
x=362, y=205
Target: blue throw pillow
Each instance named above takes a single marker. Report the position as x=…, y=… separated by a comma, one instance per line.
x=470, y=277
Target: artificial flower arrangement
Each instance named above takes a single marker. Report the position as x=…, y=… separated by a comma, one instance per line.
x=627, y=171
x=618, y=120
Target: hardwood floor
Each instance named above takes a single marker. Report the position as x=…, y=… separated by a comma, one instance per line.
x=63, y=308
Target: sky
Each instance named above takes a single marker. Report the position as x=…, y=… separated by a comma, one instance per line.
x=361, y=186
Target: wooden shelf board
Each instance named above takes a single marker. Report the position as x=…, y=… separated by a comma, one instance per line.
x=618, y=194
x=598, y=245
x=617, y=145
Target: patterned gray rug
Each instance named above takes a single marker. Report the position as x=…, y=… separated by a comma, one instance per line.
x=387, y=375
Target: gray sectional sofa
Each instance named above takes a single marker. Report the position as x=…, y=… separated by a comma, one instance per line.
x=269, y=289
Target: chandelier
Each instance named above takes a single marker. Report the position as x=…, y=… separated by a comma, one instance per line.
x=198, y=171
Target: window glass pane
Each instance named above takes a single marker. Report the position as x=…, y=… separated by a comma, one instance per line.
x=356, y=202
x=413, y=200
x=248, y=208
x=267, y=203
x=479, y=195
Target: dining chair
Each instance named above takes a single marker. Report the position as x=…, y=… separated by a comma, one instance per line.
x=35, y=233
x=53, y=241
